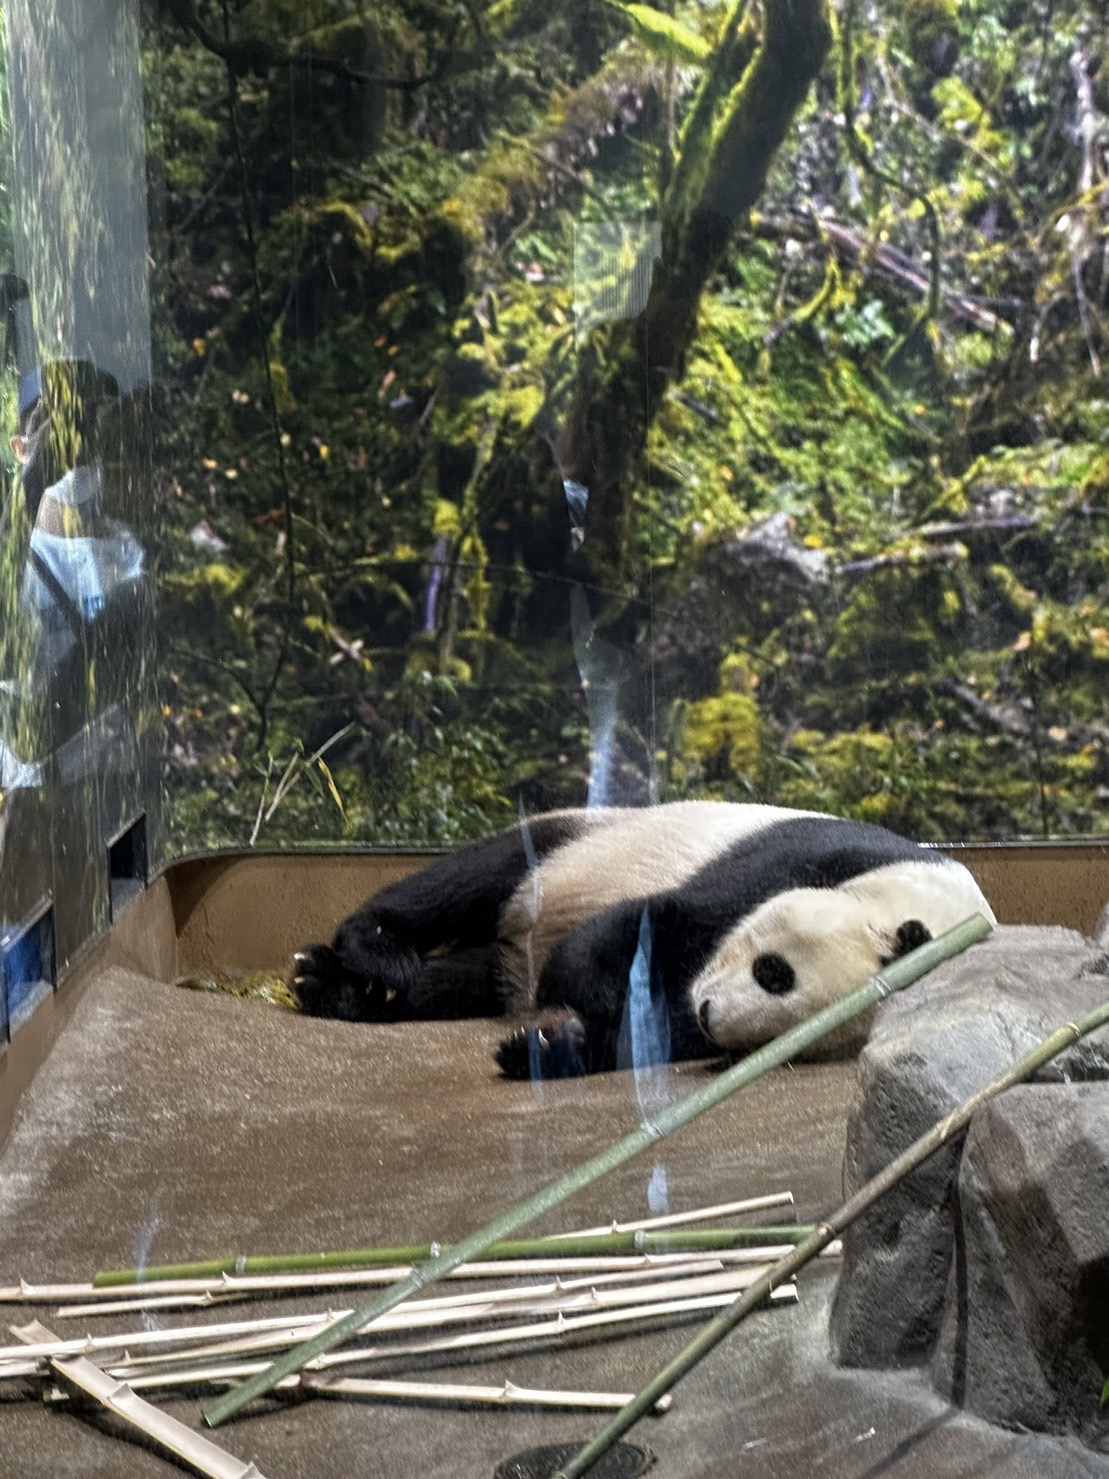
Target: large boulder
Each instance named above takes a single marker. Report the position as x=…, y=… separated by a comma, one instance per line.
x=774, y=577
x=1025, y=1336
x=932, y=1047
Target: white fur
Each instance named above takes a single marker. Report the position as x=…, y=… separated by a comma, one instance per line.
x=626, y=853
x=834, y=938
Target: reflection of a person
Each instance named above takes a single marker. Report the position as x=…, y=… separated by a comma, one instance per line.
x=81, y=567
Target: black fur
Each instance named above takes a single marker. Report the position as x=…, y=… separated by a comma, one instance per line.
x=379, y=967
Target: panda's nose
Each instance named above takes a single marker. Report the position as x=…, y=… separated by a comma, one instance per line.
x=704, y=1012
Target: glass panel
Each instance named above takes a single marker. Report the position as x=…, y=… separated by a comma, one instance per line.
x=513, y=407
x=542, y=431
x=28, y=959
x=78, y=734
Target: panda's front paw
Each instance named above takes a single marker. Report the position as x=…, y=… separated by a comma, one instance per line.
x=553, y=1048
x=323, y=987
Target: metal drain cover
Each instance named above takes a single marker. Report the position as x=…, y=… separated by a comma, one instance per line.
x=623, y=1461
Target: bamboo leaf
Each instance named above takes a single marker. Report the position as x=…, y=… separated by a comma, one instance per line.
x=331, y=786
x=664, y=36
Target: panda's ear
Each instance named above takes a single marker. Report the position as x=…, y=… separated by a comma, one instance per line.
x=910, y=934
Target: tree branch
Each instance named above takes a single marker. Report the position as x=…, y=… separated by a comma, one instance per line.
x=258, y=55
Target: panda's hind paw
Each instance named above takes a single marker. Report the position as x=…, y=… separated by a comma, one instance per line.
x=554, y=1047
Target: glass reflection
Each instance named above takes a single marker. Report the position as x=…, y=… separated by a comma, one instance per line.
x=78, y=743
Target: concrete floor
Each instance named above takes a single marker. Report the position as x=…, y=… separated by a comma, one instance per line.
x=167, y=1124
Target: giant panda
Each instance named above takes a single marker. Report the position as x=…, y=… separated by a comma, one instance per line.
x=739, y=920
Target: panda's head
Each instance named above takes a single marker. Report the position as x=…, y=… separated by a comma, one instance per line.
x=807, y=947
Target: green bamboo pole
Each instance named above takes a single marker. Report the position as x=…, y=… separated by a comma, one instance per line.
x=894, y=977
x=693, y=1240
x=907, y=1162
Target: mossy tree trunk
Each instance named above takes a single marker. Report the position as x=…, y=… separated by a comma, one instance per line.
x=757, y=78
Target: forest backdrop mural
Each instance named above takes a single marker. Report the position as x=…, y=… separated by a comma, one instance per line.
x=600, y=402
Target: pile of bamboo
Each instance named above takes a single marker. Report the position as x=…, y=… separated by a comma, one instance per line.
x=533, y=1295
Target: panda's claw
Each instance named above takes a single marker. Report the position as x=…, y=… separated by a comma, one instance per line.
x=553, y=1047
x=322, y=987
x=357, y=979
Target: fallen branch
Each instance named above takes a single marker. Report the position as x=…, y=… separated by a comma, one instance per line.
x=894, y=977
x=876, y=1188
x=972, y=529
x=943, y=554
x=870, y=255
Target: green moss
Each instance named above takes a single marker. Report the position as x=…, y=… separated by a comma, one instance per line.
x=900, y=620
x=1017, y=598
x=720, y=738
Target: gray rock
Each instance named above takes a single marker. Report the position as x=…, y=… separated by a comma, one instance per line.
x=931, y=1047
x=701, y=619
x=1025, y=1337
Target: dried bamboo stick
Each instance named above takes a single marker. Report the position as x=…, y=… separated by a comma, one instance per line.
x=277, y=1332
x=427, y=1391
x=541, y=1332
x=681, y=1219
x=455, y=1393
x=99, y=1345
x=602, y=1243
x=13, y=1369
x=744, y=1245
x=99, y=1310
x=414, y=1319
x=873, y=1190
x=642, y=1270
x=194, y=1449
x=894, y=977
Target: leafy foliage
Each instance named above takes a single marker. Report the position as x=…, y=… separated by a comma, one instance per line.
x=409, y=250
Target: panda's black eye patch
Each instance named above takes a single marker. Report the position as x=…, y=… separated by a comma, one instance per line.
x=774, y=974
x=909, y=935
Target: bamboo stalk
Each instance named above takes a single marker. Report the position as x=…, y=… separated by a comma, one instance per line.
x=233, y=1336
x=538, y=1332
x=680, y=1219
x=876, y=1188
x=205, y=1301
x=894, y=977
x=714, y=1263
x=739, y=1245
x=507, y=1395
x=596, y=1242
x=634, y=1270
x=194, y=1449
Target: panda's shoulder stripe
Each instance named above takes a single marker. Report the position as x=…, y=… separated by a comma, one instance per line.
x=795, y=852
